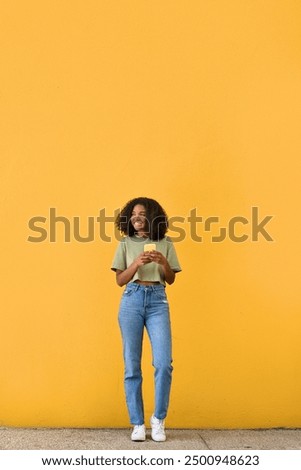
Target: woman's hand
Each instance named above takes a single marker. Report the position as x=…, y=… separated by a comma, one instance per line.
x=143, y=258
x=157, y=257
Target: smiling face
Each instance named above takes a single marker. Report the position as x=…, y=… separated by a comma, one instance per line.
x=138, y=219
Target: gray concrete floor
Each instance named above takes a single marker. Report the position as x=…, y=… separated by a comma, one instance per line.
x=182, y=439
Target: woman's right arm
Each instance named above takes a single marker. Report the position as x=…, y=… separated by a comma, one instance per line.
x=123, y=277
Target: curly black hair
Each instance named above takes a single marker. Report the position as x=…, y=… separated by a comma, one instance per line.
x=156, y=218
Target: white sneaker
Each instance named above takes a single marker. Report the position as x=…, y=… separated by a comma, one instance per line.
x=138, y=433
x=158, y=433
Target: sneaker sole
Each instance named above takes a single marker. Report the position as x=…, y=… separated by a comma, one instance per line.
x=159, y=440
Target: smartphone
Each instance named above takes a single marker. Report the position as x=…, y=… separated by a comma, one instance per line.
x=149, y=246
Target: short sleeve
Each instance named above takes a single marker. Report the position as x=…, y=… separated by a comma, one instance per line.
x=119, y=261
x=172, y=257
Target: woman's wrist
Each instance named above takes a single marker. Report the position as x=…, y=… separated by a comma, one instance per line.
x=135, y=265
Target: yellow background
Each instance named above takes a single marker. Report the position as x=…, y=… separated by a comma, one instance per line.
x=196, y=104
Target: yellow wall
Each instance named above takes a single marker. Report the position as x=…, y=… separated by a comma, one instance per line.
x=196, y=104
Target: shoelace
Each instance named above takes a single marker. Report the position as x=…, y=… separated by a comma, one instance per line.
x=138, y=427
x=159, y=427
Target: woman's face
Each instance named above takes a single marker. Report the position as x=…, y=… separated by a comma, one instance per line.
x=138, y=218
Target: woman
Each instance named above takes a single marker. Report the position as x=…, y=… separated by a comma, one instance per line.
x=144, y=261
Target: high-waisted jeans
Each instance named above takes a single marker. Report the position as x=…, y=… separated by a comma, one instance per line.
x=145, y=306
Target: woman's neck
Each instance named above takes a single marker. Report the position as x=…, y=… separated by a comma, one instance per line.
x=141, y=234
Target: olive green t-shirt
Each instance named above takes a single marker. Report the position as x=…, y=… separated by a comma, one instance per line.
x=130, y=247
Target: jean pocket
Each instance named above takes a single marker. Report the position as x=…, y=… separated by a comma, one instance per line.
x=129, y=290
x=161, y=294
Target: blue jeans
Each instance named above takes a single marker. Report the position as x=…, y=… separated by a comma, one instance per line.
x=145, y=306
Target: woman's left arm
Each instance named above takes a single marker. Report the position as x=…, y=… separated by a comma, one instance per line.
x=159, y=258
